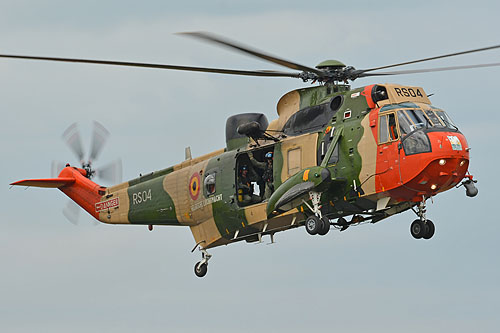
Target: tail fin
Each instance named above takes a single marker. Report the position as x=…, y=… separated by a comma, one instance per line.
x=74, y=184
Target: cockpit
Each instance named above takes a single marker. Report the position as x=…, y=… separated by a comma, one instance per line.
x=410, y=123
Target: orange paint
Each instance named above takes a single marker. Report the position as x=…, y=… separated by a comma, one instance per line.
x=408, y=178
x=83, y=191
x=305, y=177
x=367, y=93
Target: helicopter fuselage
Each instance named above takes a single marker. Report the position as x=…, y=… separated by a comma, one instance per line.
x=392, y=153
x=369, y=153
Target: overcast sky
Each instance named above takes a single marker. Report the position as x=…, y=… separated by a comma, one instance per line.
x=57, y=277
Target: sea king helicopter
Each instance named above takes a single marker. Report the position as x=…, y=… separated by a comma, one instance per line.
x=336, y=156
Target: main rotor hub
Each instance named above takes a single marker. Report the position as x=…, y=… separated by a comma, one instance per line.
x=330, y=64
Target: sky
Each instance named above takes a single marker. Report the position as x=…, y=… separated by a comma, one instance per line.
x=58, y=277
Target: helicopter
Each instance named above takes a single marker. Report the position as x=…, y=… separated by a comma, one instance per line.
x=336, y=156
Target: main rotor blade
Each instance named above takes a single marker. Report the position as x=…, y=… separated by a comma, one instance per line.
x=157, y=66
x=433, y=58
x=245, y=49
x=72, y=138
x=426, y=70
x=99, y=137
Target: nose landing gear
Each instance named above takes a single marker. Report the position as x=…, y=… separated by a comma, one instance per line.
x=201, y=267
x=422, y=228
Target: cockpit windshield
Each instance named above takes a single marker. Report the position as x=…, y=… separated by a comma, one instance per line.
x=445, y=119
x=413, y=119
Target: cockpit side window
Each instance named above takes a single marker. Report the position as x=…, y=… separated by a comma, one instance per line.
x=388, y=129
x=383, y=129
x=393, y=130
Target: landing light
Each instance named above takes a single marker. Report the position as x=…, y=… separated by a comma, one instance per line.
x=462, y=163
x=433, y=187
x=442, y=162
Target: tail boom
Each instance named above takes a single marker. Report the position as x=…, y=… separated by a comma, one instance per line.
x=72, y=182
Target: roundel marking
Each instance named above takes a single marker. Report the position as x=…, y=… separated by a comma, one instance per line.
x=194, y=186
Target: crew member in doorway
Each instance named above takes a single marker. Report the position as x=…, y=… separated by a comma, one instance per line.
x=266, y=169
x=245, y=188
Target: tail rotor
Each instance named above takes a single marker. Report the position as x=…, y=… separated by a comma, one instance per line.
x=110, y=173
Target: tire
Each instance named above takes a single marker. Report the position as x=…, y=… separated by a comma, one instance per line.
x=200, y=271
x=430, y=230
x=313, y=225
x=418, y=229
x=325, y=226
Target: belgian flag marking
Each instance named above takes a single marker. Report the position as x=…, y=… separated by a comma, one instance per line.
x=194, y=186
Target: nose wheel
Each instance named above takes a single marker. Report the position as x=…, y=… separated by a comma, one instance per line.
x=201, y=267
x=422, y=228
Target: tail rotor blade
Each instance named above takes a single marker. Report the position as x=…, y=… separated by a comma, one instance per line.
x=99, y=137
x=72, y=212
x=111, y=173
x=72, y=138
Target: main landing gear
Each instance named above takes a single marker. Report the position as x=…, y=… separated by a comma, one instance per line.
x=422, y=228
x=316, y=224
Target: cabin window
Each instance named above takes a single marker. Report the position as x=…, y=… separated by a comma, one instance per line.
x=446, y=119
x=209, y=184
x=308, y=120
x=294, y=159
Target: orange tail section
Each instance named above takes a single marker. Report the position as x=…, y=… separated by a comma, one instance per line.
x=72, y=182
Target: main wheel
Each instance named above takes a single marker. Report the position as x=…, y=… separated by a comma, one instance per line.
x=430, y=230
x=418, y=229
x=200, y=270
x=313, y=225
x=325, y=226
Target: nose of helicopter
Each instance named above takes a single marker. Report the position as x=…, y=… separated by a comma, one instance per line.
x=445, y=166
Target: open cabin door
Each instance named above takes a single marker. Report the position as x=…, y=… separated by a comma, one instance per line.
x=255, y=170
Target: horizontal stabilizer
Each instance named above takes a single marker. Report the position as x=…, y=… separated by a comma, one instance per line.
x=49, y=182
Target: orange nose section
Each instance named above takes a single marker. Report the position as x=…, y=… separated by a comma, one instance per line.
x=444, y=167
